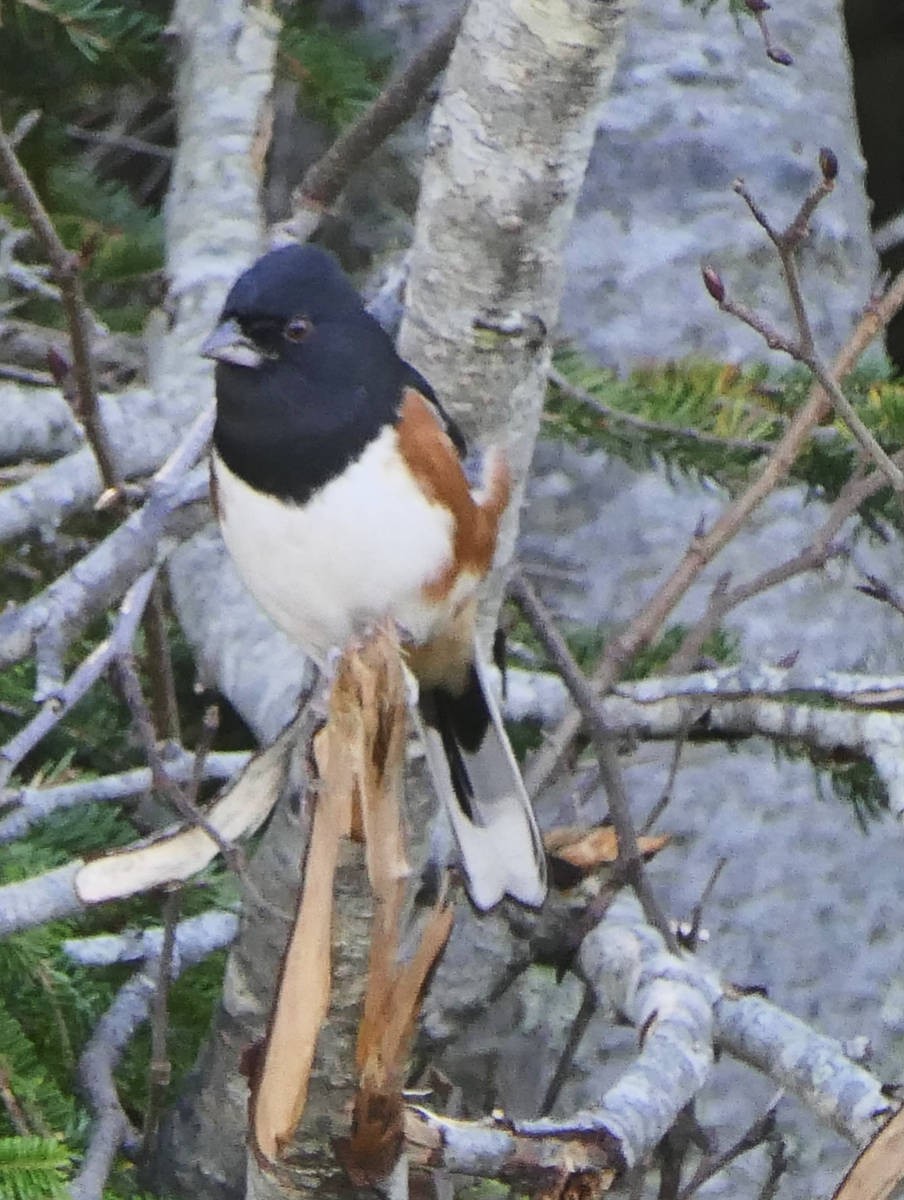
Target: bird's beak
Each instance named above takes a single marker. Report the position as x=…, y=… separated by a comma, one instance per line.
x=228, y=344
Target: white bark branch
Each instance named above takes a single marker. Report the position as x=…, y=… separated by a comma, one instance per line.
x=172, y=856
x=82, y=679
x=48, y=623
x=878, y=736
x=669, y=1000
x=727, y=703
x=750, y=680
x=193, y=937
x=112, y=1034
x=35, y=423
x=30, y=805
x=814, y=1068
x=682, y=1011
x=141, y=434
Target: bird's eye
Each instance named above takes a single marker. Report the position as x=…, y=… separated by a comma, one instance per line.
x=298, y=328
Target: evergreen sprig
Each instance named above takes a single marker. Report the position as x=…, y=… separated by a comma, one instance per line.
x=338, y=71
x=93, y=27
x=32, y=1168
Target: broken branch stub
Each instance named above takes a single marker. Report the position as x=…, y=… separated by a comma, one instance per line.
x=359, y=761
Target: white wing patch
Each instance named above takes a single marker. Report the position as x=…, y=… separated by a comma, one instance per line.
x=358, y=550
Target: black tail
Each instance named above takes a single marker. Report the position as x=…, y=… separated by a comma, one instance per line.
x=475, y=770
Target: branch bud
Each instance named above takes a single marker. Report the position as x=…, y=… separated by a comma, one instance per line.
x=828, y=164
x=58, y=365
x=712, y=281
x=780, y=55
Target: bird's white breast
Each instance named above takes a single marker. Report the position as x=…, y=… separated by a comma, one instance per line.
x=360, y=549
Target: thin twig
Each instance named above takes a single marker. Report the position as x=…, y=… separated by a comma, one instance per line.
x=209, y=725
x=666, y=795
x=576, y=1031
x=66, y=268
x=778, y=54
x=83, y=677
x=630, y=859
x=158, y=662
x=778, y=1165
x=120, y=141
x=787, y=242
x=133, y=693
x=821, y=550
x=817, y=366
x=878, y=589
x=693, y=935
x=398, y=101
x=160, y=1067
x=704, y=548
x=758, y=1132
x=184, y=801
x=673, y=1150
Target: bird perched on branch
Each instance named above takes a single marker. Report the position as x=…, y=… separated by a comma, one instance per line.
x=340, y=491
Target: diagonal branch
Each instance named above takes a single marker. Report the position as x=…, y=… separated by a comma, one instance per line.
x=324, y=180
x=630, y=858
x=49, y=622
x=56, y=707
x=704, y=548
x=66, y=268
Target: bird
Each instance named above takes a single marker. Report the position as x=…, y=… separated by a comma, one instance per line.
x=340, y=486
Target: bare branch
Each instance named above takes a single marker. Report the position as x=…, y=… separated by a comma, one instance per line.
x=26, y=807
x=174, y=854
x=66, y=268
x=158, y=663
x=325, y=179
x=803, y=350
x=703, y=549
x=160, y=1067
x=629, y=856
x=212, y=928
x=874, y=736
x=672, y=1002
x=101, y=1055
x=750, y=680
x=859, y=488
x=754, y=1136
x=806, y=354
x=183, y=801
x=48, y=623
x=82, y=679
x=810, y=1066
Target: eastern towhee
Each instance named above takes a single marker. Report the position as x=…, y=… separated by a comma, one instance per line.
x=341, y=495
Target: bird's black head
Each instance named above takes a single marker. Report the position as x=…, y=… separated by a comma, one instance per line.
x=306, y=378
x=295, y=305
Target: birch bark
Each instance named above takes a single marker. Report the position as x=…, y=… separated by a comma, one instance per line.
x=510, y=138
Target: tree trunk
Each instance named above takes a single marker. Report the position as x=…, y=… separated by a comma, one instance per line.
x=510, y=140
